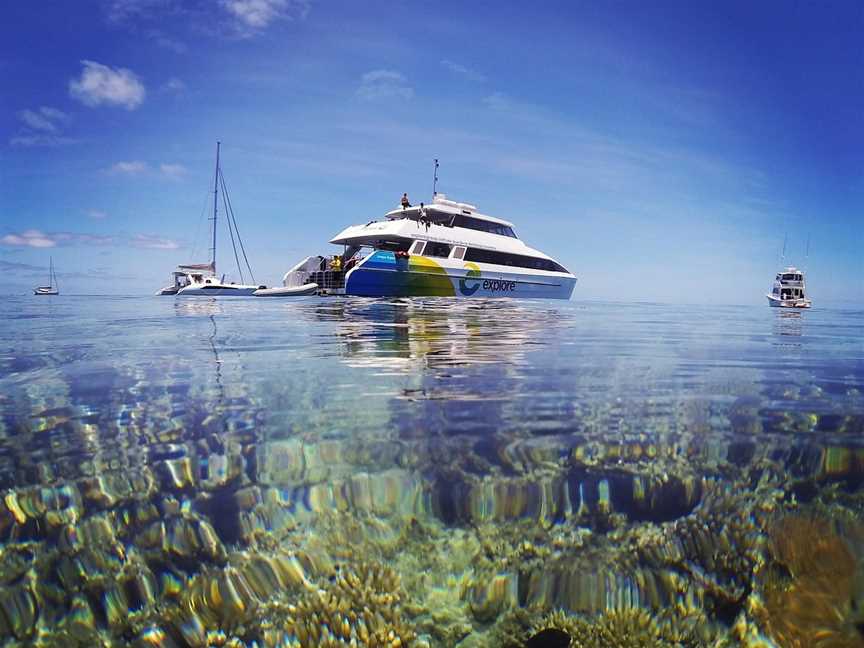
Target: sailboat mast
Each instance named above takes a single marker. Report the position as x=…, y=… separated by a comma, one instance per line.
x=51, y=271
x=215, y=207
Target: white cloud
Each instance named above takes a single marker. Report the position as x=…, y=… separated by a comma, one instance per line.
x=153, y=242
x=38, y=239
x=96, y=214
x=133, y=167
x=100, y=84
x=255, y=13
x=465, y=72
x=384, y=84
x=252, y=16
x=29, y=238
x=173, y=171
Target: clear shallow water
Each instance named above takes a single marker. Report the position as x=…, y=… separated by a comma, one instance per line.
x=500, y=459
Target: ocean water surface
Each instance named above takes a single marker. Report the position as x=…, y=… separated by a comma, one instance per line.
x=340, y=471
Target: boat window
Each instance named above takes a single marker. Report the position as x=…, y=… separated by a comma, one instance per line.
x=483, y=225
x=417, y=247
x=516, y=260
x=791, y=277
x=458, y=252
x=437, y=249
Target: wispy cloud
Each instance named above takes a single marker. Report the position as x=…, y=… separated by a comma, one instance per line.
x=167, y=42
x=29, y=238
x=149, y=242
x=41, y=127
x=132, y=167
x=43, y=119
x=100, y=84
x=462, y=71
x=498, y=101
x=173, y=85
x=35, y=238
x=173, y=171
x=96, y=214
x=384, y=84
x=119, y=11
x=30, y=139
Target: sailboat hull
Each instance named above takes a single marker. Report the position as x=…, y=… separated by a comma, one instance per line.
x=45, y=291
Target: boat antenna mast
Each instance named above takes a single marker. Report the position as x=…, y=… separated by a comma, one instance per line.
x=435, y=180
x=215, y=207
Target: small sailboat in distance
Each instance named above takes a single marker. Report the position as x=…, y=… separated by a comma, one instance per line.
x=52, y=287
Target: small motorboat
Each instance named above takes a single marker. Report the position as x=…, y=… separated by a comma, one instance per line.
x=788, y=290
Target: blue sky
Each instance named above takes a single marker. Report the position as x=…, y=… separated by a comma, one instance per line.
x=658, y=150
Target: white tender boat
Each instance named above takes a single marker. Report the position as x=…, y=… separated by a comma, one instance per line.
x=447, y=249
x=52, y=287
x=201, y=279
x=788, y=290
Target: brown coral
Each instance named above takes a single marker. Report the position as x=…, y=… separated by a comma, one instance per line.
x=809, y=586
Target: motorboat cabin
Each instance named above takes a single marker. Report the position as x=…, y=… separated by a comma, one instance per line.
x=788, y=290
x=446, y=248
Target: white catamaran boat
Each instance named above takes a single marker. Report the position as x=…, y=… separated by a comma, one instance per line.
x=52, y=288
x=788, y=290
x=197, y=279
x=446, y=249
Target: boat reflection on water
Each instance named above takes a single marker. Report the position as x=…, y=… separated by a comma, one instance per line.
x=432, y=334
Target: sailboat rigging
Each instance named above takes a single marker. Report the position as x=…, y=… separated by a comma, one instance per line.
x=201, y=278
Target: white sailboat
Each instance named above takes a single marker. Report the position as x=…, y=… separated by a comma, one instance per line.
x=52, y=288
x=201, y=279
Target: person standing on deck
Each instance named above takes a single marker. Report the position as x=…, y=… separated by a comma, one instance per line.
x=404, y=201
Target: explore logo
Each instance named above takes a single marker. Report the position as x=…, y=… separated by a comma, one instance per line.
x=473, y=273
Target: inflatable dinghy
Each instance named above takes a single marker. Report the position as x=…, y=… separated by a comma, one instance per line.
x=294, y=291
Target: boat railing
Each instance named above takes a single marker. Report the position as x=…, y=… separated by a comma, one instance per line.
x=328, y=279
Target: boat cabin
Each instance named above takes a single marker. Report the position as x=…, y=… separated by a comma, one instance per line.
x=789, y=284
